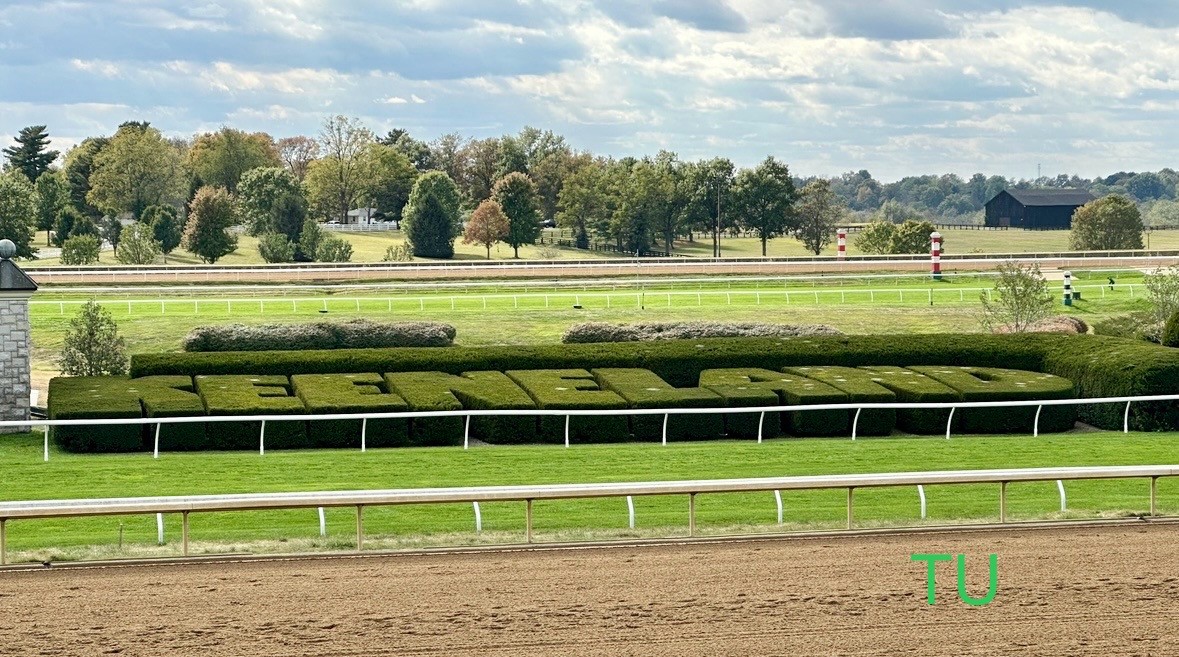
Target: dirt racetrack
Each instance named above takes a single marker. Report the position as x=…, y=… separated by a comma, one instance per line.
x=1079, y=591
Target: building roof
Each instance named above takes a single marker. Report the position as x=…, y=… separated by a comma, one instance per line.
x=12, y=279
x=362, y=212
x=1041, y=197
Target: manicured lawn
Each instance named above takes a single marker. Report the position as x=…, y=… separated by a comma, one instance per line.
x=89, y=476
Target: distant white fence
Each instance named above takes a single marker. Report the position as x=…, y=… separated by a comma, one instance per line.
x=562, y=300
x=186, y=505
x=374, y=227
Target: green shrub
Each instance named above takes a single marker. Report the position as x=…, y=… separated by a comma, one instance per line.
x=591, y=332
x=351, y=393
x=94, y=397
x=980, y=384
x=914, y=387
x=1171, y=331
x=437, y=391
x=353, y=334
x=573, y=390
x=643, y=389
x=741, y=386
x=1132, y=326
x=251, y=395
x=859, y=387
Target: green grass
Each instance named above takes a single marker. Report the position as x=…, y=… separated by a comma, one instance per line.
x=68, y=476
x=370, y=246
x=534, y=316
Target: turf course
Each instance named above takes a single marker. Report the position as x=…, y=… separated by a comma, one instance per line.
x=69, y=476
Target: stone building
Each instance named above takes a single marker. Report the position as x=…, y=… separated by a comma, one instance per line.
x=15, y=289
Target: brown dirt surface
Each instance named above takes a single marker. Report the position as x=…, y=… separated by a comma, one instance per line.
x=1077, y=591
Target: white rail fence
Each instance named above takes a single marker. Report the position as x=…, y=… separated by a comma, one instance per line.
x=534, y=301
x=359, y=500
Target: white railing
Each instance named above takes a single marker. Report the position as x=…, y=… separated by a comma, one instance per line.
x=858, y=407
x=185, y=505
x=562, y=300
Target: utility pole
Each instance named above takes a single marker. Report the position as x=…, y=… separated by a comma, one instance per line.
x=716, y=233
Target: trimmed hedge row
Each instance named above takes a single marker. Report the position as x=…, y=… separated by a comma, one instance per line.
x=352, y=334
x=1098, y=366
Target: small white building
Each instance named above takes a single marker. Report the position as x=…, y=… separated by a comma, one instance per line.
x=360, y=216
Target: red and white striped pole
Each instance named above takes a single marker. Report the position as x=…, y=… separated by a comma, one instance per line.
x=841, y=239
x=935, y=254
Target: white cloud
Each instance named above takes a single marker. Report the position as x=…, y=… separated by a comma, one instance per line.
x=394, y=100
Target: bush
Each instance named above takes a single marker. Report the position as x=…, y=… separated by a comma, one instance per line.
x=1171, y=331
x=138, y=246
x=334, y=249
x=1057, y=324
x=351, y=393
x=436, y=391
x=276, y=247
x=1131, y=326
x=398, y=253
x=93, y=346
x=80, y=250
x=573, y=389
x=762, y=387
x=591, y=332
x=251, y=395
x=1022, y=299
x=353, y=334
x=643, y=389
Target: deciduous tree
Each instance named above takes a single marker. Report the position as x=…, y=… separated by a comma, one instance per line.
x=1020, y=299
x=53, y=196
x=486, y=226
x=297, y=154
x=516, y=196
x=80, y=250
x=220, y=159
x=18, y=209
x=166, y=228
x=210, y=216
x=818, y=212
x=1108, y=223
x=272, y=200
x=138, y=245
x=138, y=168
x=335, y=181
x=763, y=199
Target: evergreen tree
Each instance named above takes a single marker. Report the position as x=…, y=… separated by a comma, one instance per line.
x=431, y=217
x=165, y=227
x=516, y=195
x=30, y=155
x=212, y=213
x=53, y=196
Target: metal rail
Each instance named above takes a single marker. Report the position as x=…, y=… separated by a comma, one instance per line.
x=185, y=505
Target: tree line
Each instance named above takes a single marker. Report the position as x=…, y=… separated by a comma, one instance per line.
x=500, y=189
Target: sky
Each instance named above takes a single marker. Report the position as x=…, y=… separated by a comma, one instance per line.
x=898, y=87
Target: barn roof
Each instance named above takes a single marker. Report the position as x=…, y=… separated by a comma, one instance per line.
x=1041, y=197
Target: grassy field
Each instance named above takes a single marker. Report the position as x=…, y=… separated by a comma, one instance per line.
x=538, y=316
x=370, y=246
x=90, y=476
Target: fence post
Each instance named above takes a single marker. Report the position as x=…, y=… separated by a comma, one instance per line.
x=184, y=533
x=950, y=422
x=1002, y=501
x=3, y=542
x=1060, y=487
x=1125, y=423
x=322, y=523
x=364, y=435
x=778, y=502
x=359, y=527
x=665, y=416
x=478, y=517
x=566, y=431
x=856, y=423
x=850, y=492
x=46, y=429
x=921, y=494
x=691, y=514
x=1153, y=493
x=528, y=521
x=630, y=511
x=159, y=529
x=760, y=423
x=467, y=433
x=262, y=440
x=1036, y=425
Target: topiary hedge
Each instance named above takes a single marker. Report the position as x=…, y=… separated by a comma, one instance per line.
x=573, y=389
x=251, y=395
x=982, y=384
x=351, y=393
x=466, y=377
x=104, y=397
x=352, y=334
x=593, y=332
x=643, y=389
x=859, y=387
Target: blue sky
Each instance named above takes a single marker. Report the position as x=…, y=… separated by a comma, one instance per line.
x=895, y=86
